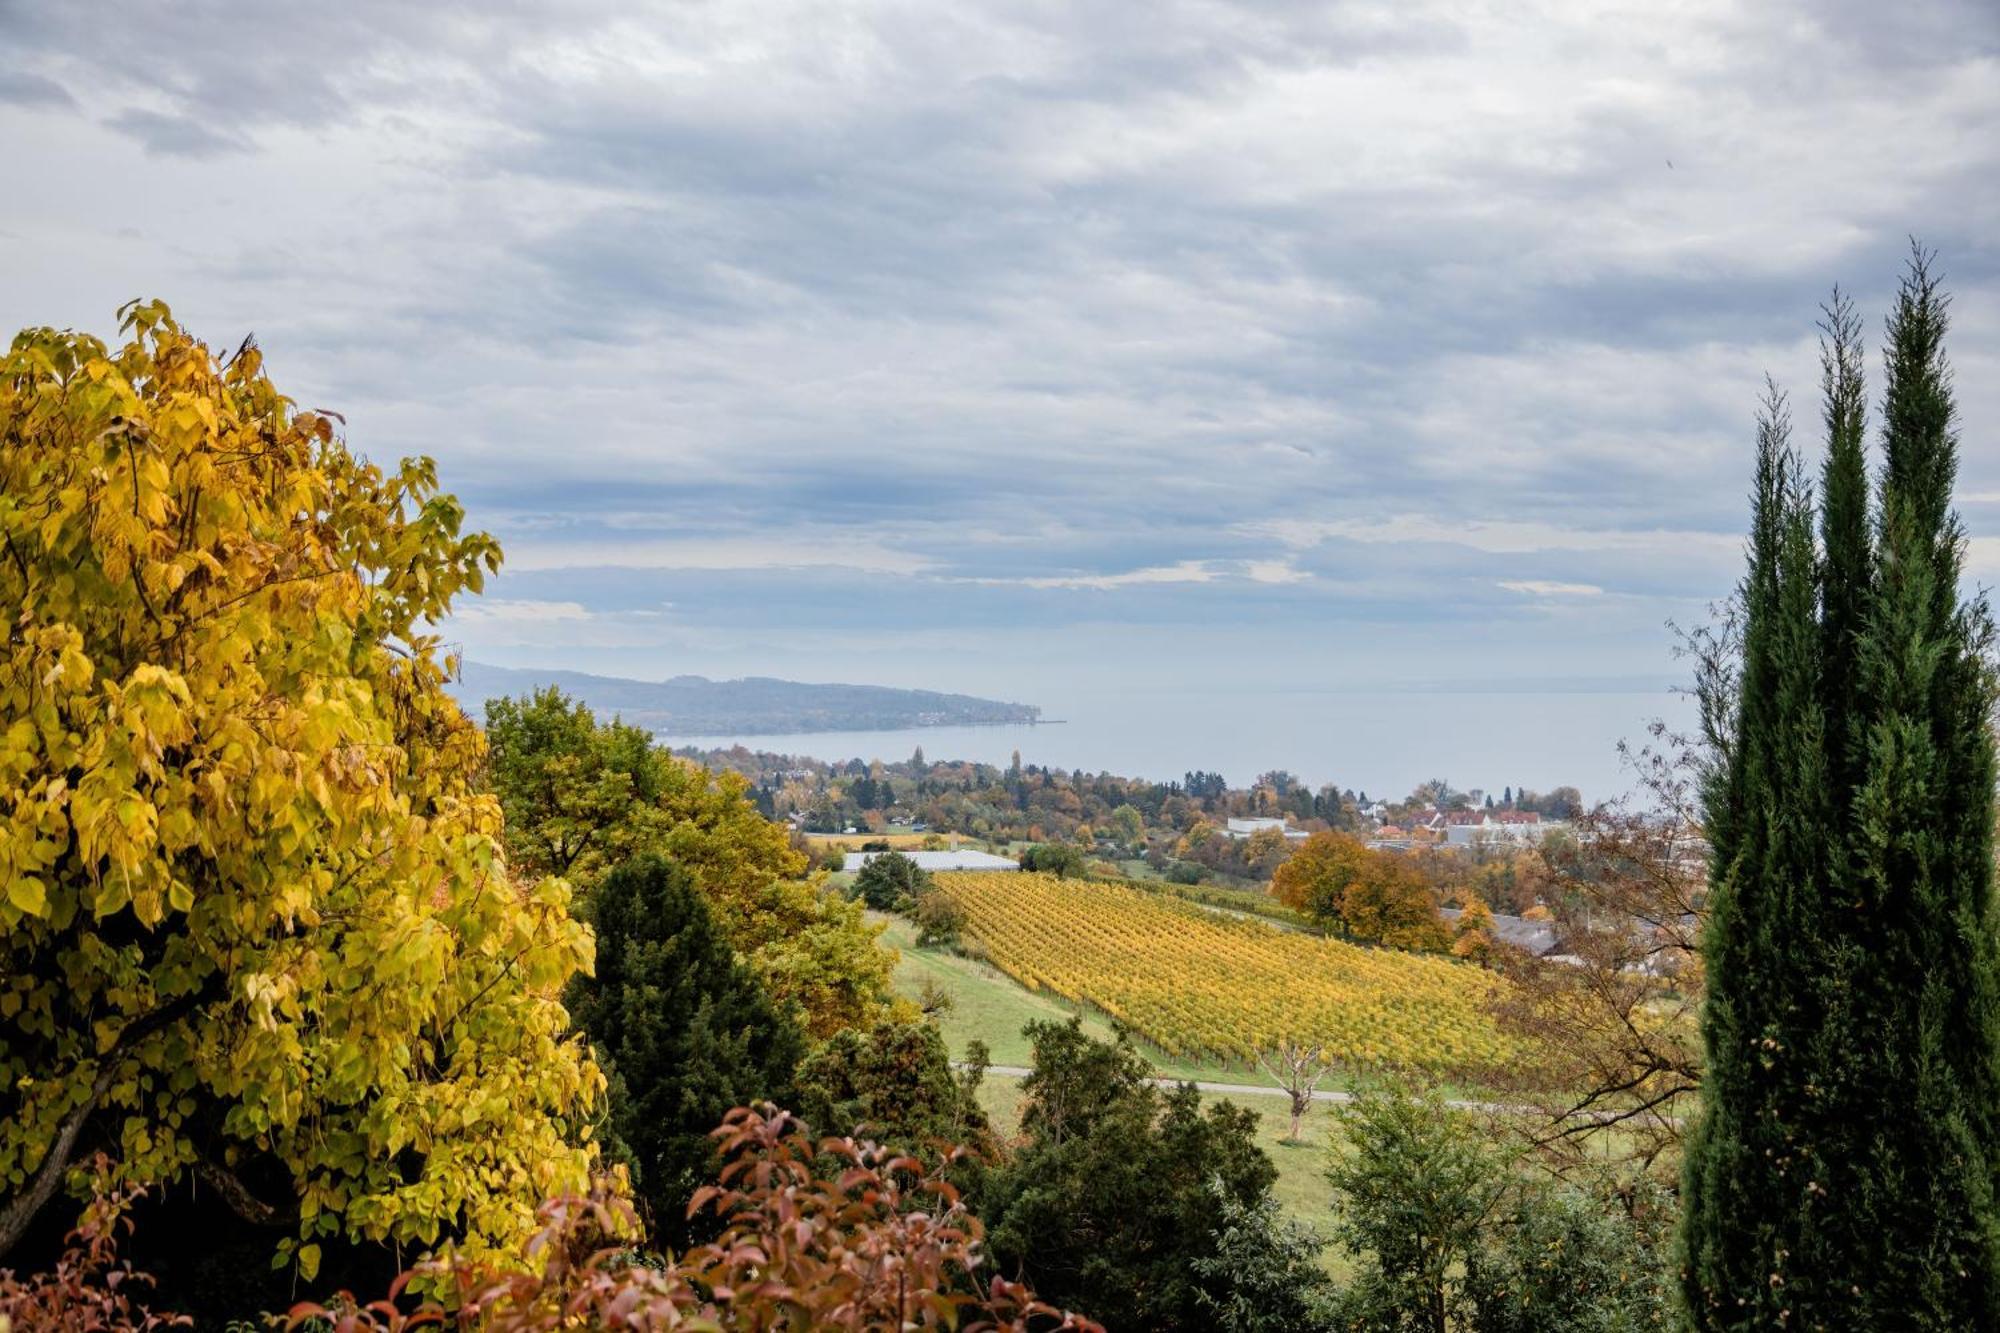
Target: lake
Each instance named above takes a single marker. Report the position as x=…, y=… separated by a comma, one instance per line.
x=1383, y=743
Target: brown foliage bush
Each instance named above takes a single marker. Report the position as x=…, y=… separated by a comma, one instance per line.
x=880, y=1242
x=89, y=1290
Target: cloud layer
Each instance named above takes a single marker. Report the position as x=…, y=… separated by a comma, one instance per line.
x=981, y=345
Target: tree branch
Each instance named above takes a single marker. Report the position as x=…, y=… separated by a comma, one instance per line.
x=21, y=1209
x=237, y=1195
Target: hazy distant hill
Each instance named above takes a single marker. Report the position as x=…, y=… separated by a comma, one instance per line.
x=697, y=706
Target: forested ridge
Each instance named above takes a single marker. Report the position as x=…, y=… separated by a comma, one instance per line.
x=697, y=706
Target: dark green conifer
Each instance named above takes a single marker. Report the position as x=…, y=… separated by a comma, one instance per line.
x=1843, y=1172
x=683, y=1028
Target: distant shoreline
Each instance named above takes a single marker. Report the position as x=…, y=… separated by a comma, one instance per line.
x=694, y=707
x=682, y=740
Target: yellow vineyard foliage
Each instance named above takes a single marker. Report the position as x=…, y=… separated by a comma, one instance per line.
x=1198, y=983
x=257, y=923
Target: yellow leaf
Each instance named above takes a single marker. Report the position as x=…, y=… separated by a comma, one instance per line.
x=26, y=893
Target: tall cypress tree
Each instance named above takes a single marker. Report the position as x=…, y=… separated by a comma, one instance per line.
x=1746, y=1160
x=1843, y=1173
x=1923, y=1233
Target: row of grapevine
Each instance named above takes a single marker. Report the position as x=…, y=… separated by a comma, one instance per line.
x=1199, y=984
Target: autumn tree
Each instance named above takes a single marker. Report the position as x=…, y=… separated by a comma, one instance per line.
x=1266, y=850
x=810, y=946
x=1610, y=1043
x=1392, y=906
x=939, y=919
x=1314, y=882
x=1340, y=884
x=572, y=788
x=258, y=927
x=1472, y=933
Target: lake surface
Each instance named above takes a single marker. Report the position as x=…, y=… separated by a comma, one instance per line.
x=1382, y=743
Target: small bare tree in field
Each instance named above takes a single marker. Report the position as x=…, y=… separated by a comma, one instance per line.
x=1298, y=1067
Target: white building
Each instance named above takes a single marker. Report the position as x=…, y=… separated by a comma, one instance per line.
x=941, y=860
x=1473, y=828
x=1243, y=828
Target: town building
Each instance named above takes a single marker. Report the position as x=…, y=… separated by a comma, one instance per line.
x=1240, y=829
x=1475, y=828
x=935, y=861
x=1538, y=939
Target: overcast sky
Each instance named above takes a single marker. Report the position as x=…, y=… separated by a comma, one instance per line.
x=981, y=346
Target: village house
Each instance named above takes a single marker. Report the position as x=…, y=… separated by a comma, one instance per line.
x=1474, y=828
x=1537, y=939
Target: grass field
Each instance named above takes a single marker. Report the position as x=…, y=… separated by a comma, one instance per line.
x=1301, y=1185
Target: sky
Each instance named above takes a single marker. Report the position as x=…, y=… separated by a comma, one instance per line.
x=1002, y=347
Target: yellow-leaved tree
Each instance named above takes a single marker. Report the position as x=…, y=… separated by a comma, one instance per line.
x=258, y=926
x=582, y=795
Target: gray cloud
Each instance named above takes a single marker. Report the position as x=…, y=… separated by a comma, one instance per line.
x=22, y=89
x=1381, y=318
x=176, y=135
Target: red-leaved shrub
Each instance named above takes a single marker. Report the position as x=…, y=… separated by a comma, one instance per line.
x=90, y=1290
x=881, y=1241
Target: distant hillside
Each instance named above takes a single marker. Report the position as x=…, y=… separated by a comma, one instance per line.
x=756, y=706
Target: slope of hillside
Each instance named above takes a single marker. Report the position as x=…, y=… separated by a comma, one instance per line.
x=1204, y=986
x=756, y=705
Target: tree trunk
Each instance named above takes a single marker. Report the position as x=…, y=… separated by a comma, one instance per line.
x=22, y=1208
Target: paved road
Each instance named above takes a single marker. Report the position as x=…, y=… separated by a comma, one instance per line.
x=1266, y=1090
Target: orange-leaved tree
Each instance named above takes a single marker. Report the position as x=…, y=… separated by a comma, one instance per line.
x=1314, y=882
x=1341, y=884
x=257, y=924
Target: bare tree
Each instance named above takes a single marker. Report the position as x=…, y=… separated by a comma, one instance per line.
x=1298, y=1067
x=1612, y=1024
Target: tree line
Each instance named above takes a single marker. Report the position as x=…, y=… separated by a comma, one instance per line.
x=1034, y=803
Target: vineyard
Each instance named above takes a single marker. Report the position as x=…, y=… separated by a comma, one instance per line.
x=1198, y=984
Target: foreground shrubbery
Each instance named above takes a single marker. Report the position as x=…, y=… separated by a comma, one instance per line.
x=815, y=1234
x=1446, y=1232
x=89, y=1287
x=1110, y=1200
